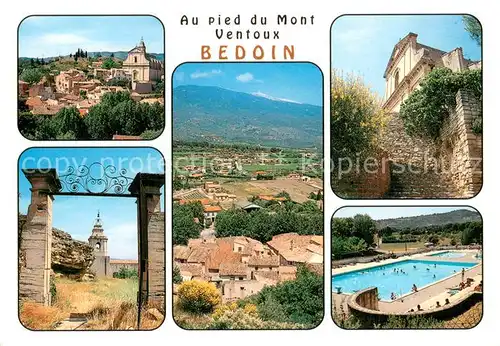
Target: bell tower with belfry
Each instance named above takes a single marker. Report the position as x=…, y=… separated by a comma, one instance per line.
x=99, y=243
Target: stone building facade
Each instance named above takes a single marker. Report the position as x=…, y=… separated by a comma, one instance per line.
x=141, y=66
x=449, y=166
x=411, y=61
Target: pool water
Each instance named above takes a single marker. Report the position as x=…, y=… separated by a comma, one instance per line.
x=450, y=254
x=397, y=277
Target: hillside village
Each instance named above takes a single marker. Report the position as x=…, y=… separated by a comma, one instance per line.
x=242, y=266
x=79, y=81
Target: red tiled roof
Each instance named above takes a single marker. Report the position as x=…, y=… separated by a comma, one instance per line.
x=126, y=137
x=211, y=208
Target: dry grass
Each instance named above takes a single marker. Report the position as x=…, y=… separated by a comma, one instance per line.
x=108, y=304
x=400, y=247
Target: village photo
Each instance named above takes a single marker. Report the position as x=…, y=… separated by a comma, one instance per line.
x=91, y=239
x=91, y=77
x=407, y=122
x=248, y=196
x=407, y=267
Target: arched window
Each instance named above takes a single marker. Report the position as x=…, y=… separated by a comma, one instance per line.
x=396, y=79
x=97, y=246
x=135, y=59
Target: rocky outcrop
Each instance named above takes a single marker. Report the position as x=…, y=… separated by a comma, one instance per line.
x=70, y=256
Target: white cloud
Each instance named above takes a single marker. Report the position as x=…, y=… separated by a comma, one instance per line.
x=205, y=74
x=64, y=39
x=261, y=94
x=245, y=77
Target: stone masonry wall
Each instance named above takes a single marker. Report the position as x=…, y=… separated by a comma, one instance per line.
x=156, y=254
x=449, y=167
x=372, y=183
x=34, y=251
x=463, y=148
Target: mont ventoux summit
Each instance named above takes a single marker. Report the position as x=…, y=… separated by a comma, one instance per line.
x=213, y=114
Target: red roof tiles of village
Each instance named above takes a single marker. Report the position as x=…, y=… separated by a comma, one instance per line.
x=126, y=137
x=211, y=208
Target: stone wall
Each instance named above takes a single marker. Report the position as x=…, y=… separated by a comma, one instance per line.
x=448, y=167
x=156, y=255
x=115, y=267
x=461, y=147
x=374, y=182
x=361, y=303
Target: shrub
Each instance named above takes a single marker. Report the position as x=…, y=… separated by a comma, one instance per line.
x=424, y=111
x=356, y=117
x=177, y=277
x=297, y=301
x=126, y=273
x=198, y=296
x=410, y=322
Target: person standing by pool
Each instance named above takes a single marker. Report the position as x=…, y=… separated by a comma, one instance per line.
x=463, y=274
x=414, y=288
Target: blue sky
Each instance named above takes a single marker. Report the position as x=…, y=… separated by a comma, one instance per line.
x=48, y=36
x=362, y=45
x=378, y=213
x=76, y=214
x=293, y=82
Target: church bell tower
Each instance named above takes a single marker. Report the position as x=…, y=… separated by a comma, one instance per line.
x=97, y=239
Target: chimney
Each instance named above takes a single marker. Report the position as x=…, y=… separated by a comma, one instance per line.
x=291, y=244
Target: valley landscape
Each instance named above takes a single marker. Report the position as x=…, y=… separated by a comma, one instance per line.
x=247, y=203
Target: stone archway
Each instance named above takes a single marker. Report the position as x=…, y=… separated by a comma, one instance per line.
x=35, y=241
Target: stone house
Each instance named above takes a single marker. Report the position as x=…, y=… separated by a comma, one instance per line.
x=235, y=290
x=210, y=213
x=294, y=249
x=268, y=263
x=66, y=80
x=234, y=271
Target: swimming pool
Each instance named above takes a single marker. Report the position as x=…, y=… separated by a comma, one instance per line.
x=450, y=254
x=397, y=277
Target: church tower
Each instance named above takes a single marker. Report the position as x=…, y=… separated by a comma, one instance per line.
x=97, y=239
x=99, y=242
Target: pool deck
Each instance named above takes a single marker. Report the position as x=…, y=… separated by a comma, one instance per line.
x=426, y=296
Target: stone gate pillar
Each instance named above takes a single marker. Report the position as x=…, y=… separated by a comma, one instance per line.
x=35, y=241
x=151, y=236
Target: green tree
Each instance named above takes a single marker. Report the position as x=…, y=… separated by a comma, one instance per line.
x=110, y=63
x=31, y=75
x=184, y=225
x=68, y=120
x=473, y=27
x=356, y=118
x=364, y=227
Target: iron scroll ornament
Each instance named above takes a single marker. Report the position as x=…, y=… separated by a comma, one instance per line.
x=95, y=178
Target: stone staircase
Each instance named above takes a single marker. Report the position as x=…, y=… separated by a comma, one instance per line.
x=411, y=181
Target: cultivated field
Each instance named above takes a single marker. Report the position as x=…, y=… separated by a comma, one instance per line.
x=299, y=191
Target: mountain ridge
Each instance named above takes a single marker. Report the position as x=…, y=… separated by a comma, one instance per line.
x=226, y=116
x=455, y=216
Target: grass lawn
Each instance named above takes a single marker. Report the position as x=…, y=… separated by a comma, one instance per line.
x=108, y=304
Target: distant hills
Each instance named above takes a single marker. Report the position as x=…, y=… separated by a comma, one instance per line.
x=455, y=216
x=207, y=113
x=122, y=55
